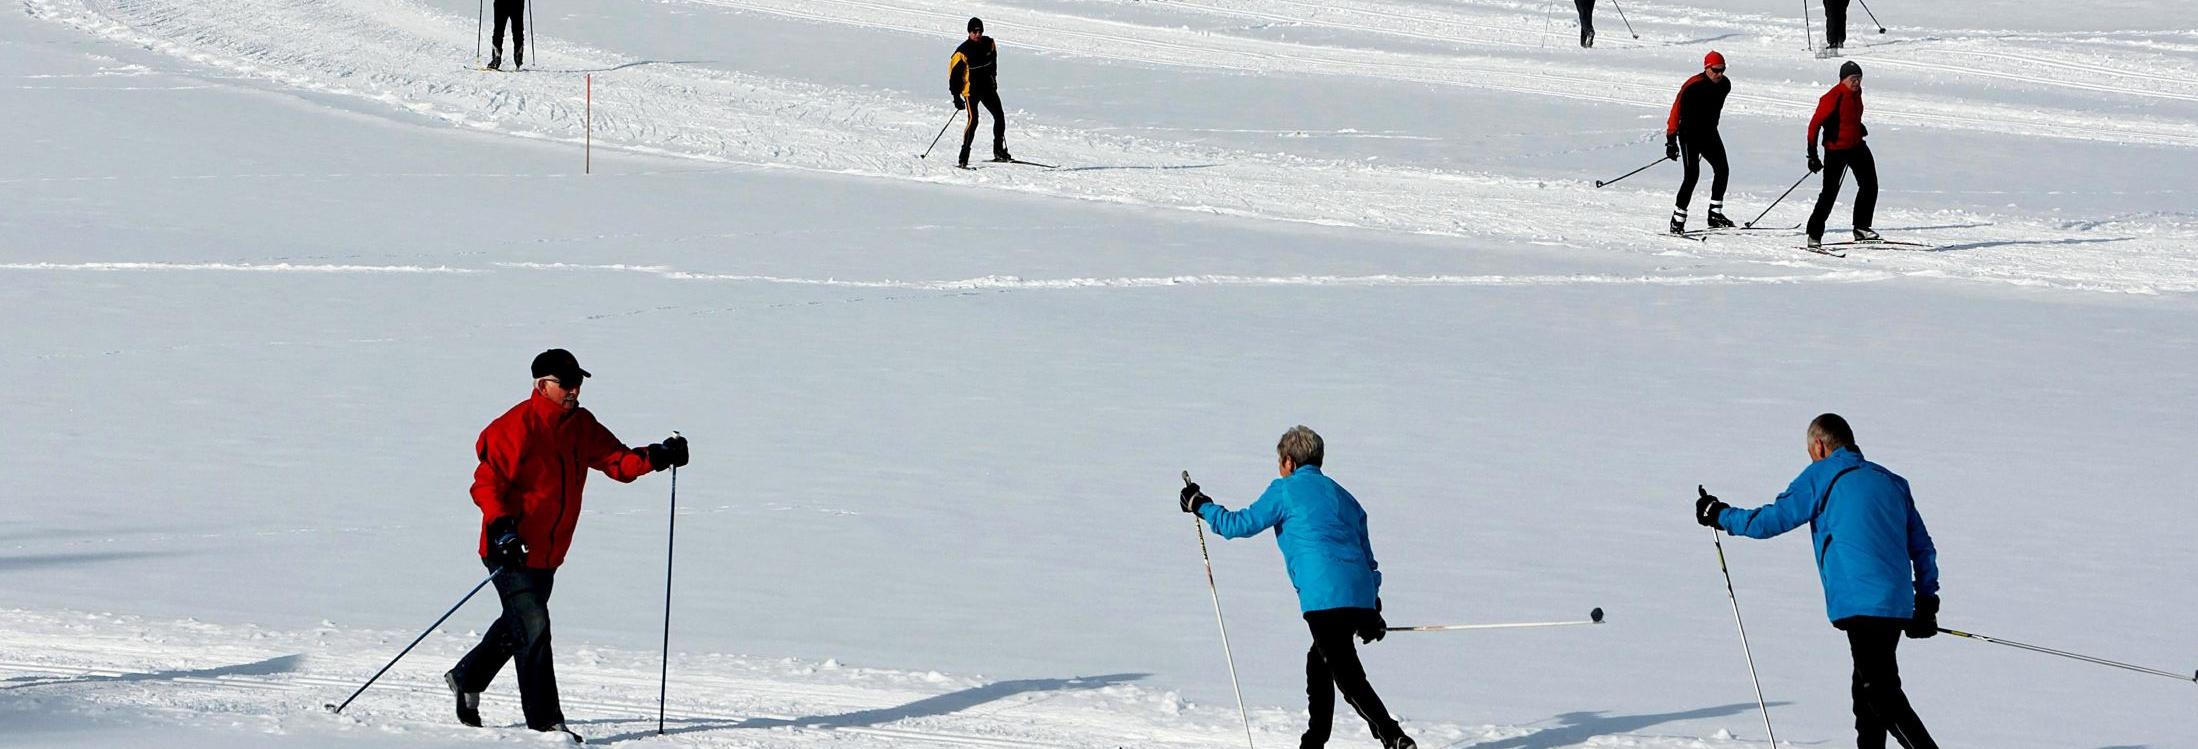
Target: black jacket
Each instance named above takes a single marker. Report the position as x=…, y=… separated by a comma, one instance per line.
x=1699, y=103
x=974, y=68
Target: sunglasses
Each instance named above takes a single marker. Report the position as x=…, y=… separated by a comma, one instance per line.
x=564, y=383
x=1718, y=69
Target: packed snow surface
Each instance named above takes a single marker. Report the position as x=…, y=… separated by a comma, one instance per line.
x=270, y=265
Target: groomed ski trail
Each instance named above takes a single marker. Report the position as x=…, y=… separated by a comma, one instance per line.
x=251, y=679
x=397, y=57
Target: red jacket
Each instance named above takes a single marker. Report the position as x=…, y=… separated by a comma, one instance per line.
x=534, y=460
x=1839, y=116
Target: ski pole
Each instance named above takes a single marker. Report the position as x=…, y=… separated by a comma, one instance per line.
x=2065, y=654
x=530, y=33
x=1774, y=203
x=942, y=133
x=664, y=670
x=1622, y=17
x=1601, y=182
x=1873, y=16
x=480, y=14
x=1548, y=13
x=1744, y=648
x=338, y=709
x=1808, y=33
x=1225, y=652
x=1593, y=617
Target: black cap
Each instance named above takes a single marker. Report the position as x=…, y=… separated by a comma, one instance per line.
x=560, y=364
x=1849, y=68
x=976, y=25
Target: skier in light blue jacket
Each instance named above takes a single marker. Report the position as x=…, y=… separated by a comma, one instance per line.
x=1322, y=532
x=1876, y=560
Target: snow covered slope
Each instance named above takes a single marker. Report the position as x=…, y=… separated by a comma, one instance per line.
x=268, y=267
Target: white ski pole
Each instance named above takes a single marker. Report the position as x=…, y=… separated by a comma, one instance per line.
x=1744, y=649
x=1593, y=617
x=1223, y=624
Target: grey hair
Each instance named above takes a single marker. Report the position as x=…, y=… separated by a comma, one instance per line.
x=1301, y=445
x=1833, y=431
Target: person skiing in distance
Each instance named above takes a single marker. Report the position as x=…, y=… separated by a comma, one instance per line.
x=1691, y=132
x=972, y=76
x=1587, y=21
x=1835, y=25
x=1876, y=560
x=1839, y=119
x=1322, y=531
x=513, y=12
x=534, y=462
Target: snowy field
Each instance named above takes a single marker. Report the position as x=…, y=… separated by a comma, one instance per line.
x=270, y=265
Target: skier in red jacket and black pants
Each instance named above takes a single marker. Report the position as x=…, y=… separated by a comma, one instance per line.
x=1691, y=134
x=534, y=461
x=1839, y=118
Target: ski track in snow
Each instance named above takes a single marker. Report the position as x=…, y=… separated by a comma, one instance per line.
x=251, y=679
x=405, y=57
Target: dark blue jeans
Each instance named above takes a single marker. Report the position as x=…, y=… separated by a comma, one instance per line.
x=522, y=634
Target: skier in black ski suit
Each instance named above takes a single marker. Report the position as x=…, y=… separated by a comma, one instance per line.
x=1835, y=24
x=514, y=12
x=1691, y=133
x=972, y=76
x=1587, y=21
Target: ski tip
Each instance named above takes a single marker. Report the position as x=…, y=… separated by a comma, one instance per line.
x=1596, y=615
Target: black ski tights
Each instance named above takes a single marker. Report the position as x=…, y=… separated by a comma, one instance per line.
x=513, y=12
x=1881, y=708
x=1331, y=665
x=1835, y=23
x=991, y=102
x=1587, y=21
x=1693, y=150
x=1836, y=163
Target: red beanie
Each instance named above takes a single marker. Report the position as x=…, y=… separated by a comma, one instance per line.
x=1713, y=60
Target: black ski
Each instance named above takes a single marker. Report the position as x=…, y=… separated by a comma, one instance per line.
x=1822, y=251
x=1025, y=163
x=1869, y=242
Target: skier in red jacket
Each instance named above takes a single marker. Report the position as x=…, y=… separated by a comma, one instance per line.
x=1691, y=134
x=1839, y=119
x=534, y=461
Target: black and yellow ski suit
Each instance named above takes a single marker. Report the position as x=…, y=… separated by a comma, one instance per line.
x=972, y=77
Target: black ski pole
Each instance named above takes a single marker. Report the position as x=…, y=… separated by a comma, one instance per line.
x=1808, y=31
x=2065, y=654
x=1873, y=16
x=1622, y=17
x=530, y=34
x=1774, y=203
x=942, y=133
x=1601, y=182
x=664, y=671
x=415, y=642
x=480, y=14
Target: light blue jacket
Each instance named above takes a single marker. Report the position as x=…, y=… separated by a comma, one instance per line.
x=1872, y=551
x=1322, y=532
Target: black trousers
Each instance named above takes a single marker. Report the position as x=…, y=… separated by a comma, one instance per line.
x=1587, y=19
x=1881, y=708
x=1835, y=23
x=1836, y=163
x=522, y=635
x=1331, y=665
x=991, y=101
x=513, y=12
x=1693, y=150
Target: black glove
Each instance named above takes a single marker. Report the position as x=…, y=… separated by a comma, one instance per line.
x=671, y=452
x=1372, y=628
x=1191, y=499
x=1865, y=131
x=1707, y=508
x=960, y=105
x=1926, y=622
x=1671, y=147
x=1815, y=164
x=505, y=550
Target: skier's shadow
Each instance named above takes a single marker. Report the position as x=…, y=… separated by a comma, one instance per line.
x=34, y=561
x=634, y=64
x=2026, y=242
x=282, y=664
x=945, y=704
x=1576, y=728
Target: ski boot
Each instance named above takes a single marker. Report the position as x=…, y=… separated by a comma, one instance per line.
x=518, y=59
x=1816, y=242
x=1587, y=39
x=1865, y=235
x=1678, y=222
x=469, y=703
x=569, y=736
x=999, y=153
x=1717, y=219
x=496, y=60
x=1401, y=742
